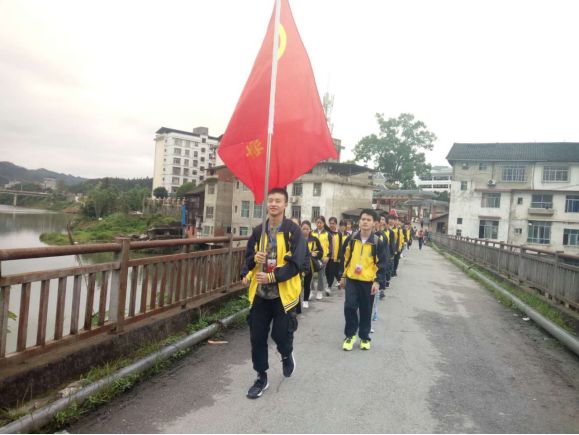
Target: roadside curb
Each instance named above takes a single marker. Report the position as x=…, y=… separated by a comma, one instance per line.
x=565, y=338
x=43, y=416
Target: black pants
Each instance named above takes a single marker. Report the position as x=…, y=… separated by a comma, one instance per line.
x=332, y=270
x=420, y=243
x=263, y=313
x=395, y=263
x=307, y=285
x=358, y=298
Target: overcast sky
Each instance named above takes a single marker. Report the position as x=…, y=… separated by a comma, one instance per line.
x=84, y=85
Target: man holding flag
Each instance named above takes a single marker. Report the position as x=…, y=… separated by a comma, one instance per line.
x=280, y=108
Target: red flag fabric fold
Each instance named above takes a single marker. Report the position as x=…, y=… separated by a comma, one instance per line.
x=301, y=137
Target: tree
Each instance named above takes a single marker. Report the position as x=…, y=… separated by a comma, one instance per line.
x=160, y=192
x=185, y=188
x=443, y=196
x=397, y=151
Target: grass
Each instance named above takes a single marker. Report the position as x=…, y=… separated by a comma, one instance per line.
x=534, y=301
x=76, y=410
x=115, y=225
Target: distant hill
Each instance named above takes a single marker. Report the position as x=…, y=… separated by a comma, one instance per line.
x=11, y=172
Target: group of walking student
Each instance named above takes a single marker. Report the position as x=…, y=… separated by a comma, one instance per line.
x=280, y=267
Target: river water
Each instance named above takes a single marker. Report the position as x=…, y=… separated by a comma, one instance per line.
x=21, y=228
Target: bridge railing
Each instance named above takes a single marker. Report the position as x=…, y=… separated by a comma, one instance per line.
x=57, y=307
x=554, y=274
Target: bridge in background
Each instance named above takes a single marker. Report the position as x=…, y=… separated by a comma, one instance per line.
x=18, y=193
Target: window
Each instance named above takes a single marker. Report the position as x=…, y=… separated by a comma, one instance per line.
x=245, y=188
x=317, y=189
x=519, y=200
x=202, y=159
x=203, y=140
x=237, y=185
x=208, y=212
x=539, y=232
x=518, y=231
x=243, y=231
x=491, y=200
x=514, y=174
x=211, y=189
x=195, y=154
x=570, y=237
x=482, y=166
x=187, y=152
x=257, y=210
x=178, y=142
x=176, y=171
x=459, y=232
x=175, y=180
x=177, y=151
x=186, y=172
x=297, y=189
x=315, y=212
x=488, y=229
x=572, y=204
x=297, y=212
x=463, y=185
x=185, y=180
x=176, y=161
x=542, y=201
x=185, y=162
x=245, y=209
x=202, y=150
x=194, y=163
x=201, y=178
x=555, y=173
x=459, y=221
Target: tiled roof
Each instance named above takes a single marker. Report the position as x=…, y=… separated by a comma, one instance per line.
x=164, y=130
x=516, y=152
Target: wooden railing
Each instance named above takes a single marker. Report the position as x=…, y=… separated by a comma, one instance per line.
x=554, y=274
x=79, y=302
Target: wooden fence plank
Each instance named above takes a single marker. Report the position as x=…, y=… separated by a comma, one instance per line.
x=144, y=289
x=42, y=313
x=103, y=298
x=4, y=304
x=23, y=317
x=88, y=312
x=75, y=315
x=60, y=301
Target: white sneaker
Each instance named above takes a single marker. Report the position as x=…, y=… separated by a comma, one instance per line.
x=328, y=291
x=319, y=295
x=305, y=304
x=371, y=330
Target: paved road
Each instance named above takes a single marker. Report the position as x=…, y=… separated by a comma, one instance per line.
x=446, y=357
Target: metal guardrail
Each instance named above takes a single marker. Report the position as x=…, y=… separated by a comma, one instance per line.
x=112, y=294
x=554, y=274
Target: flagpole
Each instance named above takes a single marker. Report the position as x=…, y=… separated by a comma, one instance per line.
x=271, y=113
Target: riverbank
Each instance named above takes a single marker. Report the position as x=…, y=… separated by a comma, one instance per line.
x=107, y=229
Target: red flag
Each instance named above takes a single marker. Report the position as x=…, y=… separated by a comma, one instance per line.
x=301, y=137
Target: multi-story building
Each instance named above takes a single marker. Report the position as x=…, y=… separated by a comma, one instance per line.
x=182, y=157
x=519, y=193
x=438, y=180
x=217, y=202
x=329, y=189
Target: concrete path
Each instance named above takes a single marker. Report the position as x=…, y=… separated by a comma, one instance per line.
x=446, y=357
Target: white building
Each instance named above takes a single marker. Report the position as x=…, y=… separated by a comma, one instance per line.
x=182, y=157
x=519, y=193
x=438, y=180
x=329, y=189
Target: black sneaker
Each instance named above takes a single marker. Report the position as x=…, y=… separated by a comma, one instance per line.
x=289, y=365
x=261, y=384
x=382, y=294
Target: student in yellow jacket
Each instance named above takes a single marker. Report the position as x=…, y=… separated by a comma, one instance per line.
x=398, y=241
x=273, y=293
x=315, y=250
x=333, y=266
x=363, y=273
x=323, y=234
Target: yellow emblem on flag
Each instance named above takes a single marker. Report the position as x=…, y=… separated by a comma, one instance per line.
x=282, y=41
x=254, y=148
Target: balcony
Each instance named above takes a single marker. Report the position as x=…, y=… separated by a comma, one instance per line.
x=541, y=211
